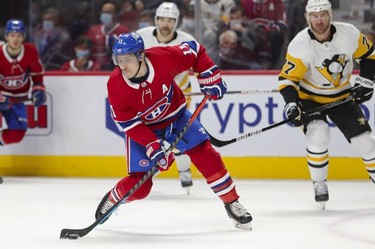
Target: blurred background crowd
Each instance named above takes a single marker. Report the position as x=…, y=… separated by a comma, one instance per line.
x=238, y=34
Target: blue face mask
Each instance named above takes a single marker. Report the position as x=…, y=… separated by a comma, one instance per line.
x=105, y=18
x=143, y=24
x=82, y=53
x=48, y=25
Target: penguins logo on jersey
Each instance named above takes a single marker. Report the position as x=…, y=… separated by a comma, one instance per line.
x=333, y=70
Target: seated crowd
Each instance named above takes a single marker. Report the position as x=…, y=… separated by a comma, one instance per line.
x=237, y=34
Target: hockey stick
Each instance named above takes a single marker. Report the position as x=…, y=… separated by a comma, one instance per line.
x=255, y=91
x=220, y=143
x=67, y=233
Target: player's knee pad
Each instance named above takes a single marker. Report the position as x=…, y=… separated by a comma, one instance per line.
x=182, y=162
x=12, y=136
x=318, y=135
x=364, y=144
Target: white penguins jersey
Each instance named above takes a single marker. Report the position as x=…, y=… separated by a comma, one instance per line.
x=149, y=38
x=321, y=71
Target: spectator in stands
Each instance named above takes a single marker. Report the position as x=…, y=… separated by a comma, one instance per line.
x=77, y=19
x=295, y=17
x=215, y=14
x=188, y=21
x=251, y=39
x=270, y=17
x=81, y=62
x=145, y=19
x=103, y=36
x=53, y=41
x=232, y=56
x=128, y=15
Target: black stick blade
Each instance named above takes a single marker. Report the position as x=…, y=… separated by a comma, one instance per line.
x=72, y=233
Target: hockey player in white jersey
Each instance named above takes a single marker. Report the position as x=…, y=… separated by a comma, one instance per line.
x=319, y=63
x=164, y=33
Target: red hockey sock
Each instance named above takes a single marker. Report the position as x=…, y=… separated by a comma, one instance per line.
x=208, y=161
x=128, y=182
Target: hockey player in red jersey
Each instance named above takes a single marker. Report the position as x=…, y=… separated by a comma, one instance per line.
x=150, y=107
x=20, y=70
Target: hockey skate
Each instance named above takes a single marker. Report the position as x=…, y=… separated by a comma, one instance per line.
x=1, y=180
x=103, y=207
x=321, y=193
x=186, y=180
x=241, y=218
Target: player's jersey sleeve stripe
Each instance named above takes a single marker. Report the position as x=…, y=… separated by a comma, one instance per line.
x=291, y=72
x=364, y=49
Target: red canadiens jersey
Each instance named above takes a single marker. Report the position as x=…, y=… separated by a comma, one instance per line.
x=15, y=73
x=102, y=42
x=155, y=103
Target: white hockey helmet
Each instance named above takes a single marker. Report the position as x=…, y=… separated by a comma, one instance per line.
x=170, y=10
x=317, y=6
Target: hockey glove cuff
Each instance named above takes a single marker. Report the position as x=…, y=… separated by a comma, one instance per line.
x=157, y=155
x=293, y=111
x=362, y=90
x=211, y=83
x=39, y=94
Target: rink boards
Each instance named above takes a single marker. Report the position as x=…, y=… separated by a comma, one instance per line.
x=74, y=135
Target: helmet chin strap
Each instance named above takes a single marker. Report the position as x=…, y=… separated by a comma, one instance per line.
x=139, y=68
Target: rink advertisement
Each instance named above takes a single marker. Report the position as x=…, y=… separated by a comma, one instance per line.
x=73, y=133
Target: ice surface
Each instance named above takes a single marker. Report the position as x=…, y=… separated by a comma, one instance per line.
x=34, y=210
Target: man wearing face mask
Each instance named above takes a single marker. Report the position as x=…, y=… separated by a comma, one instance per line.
x=103, y=35
x=53, y=41
x=232, y=56
x=164, y=33
x=81, y=62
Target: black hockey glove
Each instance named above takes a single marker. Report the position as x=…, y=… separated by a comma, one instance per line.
x=293, y=111
x=362, y=90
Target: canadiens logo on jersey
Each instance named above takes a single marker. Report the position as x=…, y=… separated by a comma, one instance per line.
x=333, y=69
x=13, y=82
x=158, y=110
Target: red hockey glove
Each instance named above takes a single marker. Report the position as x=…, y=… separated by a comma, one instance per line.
x=4, y=103
x=38, y=94
x=211, y=83
x=156, y=153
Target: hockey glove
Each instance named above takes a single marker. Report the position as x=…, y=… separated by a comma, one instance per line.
x=4, y=103
x=38, y=94
x=156, y=153
x=293, y=111
x=362, y=90
x=211, y=83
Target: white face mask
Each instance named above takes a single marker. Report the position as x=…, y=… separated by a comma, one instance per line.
x=82, y=53
x=188, y=23
x=48, y=25
x=144, y=24
x=226, y=51
x=106, y=18
x=235, y=23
